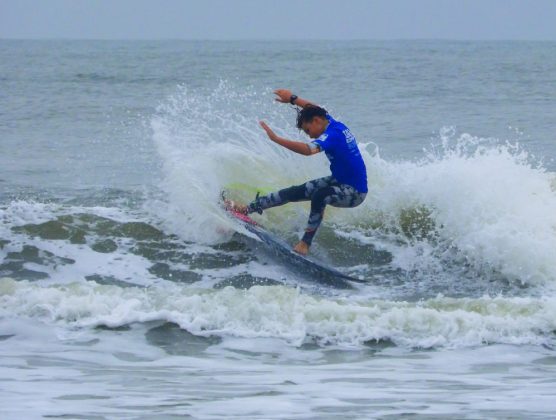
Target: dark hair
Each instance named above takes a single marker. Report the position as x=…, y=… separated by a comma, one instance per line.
x=309, y=112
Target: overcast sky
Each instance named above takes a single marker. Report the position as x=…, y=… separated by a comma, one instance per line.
x=279, y=19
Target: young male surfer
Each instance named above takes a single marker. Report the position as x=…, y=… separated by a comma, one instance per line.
x=346, y=187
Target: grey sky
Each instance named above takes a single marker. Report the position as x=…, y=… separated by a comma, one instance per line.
x=279, y=19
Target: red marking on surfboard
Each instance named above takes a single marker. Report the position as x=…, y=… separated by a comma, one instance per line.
x=243, y=217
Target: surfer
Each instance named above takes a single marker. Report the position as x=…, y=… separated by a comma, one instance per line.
x=346, y=187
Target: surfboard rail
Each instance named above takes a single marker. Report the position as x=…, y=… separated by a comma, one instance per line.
x=321, y=272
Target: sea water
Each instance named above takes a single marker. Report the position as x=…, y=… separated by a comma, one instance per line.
x=126, y=292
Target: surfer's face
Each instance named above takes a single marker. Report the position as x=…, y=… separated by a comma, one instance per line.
x=315, y=127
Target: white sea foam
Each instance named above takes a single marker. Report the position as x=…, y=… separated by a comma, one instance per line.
x=285, y=313
x=21, y=212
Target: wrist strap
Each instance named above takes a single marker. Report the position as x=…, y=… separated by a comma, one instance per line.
x=292, y=99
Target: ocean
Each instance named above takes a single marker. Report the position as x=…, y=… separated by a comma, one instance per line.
x=126, y=292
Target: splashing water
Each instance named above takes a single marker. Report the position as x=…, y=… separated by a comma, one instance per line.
x=469, y=201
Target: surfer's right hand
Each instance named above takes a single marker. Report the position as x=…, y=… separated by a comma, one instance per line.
x=271, y=134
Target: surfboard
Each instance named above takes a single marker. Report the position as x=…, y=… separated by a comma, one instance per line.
x=307, y=266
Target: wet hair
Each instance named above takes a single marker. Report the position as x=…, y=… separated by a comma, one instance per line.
x=308, y=113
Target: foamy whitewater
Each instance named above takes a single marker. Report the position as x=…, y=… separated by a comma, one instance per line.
x=126, y=291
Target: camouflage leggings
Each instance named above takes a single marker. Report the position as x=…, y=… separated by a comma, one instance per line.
x=320, y=192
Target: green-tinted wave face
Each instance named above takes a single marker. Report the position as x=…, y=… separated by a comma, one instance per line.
x=106, y=240
x=245, y=190
x=75, y=227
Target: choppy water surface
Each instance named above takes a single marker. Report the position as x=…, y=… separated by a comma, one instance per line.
x=125, y=291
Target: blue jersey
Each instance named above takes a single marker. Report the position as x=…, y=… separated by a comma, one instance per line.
x=346, y=162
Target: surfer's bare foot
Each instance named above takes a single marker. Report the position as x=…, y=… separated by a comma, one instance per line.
x=301, y=248
x=237, y=207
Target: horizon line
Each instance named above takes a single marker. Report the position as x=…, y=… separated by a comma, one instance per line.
x=279, y=39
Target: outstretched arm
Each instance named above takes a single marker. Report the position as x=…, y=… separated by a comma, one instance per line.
x=294, y=146
x=284, y=96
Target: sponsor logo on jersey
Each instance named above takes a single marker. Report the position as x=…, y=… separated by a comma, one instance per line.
x=349, y=137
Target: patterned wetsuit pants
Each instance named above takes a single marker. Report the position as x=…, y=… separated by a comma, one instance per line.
x=320, y=192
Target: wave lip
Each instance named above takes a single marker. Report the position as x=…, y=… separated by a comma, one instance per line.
x=481, y=204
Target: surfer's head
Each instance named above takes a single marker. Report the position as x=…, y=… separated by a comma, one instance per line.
x=312, y=119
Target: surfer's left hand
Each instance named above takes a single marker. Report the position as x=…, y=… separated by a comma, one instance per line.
x=283, y=95
x=271, y=134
